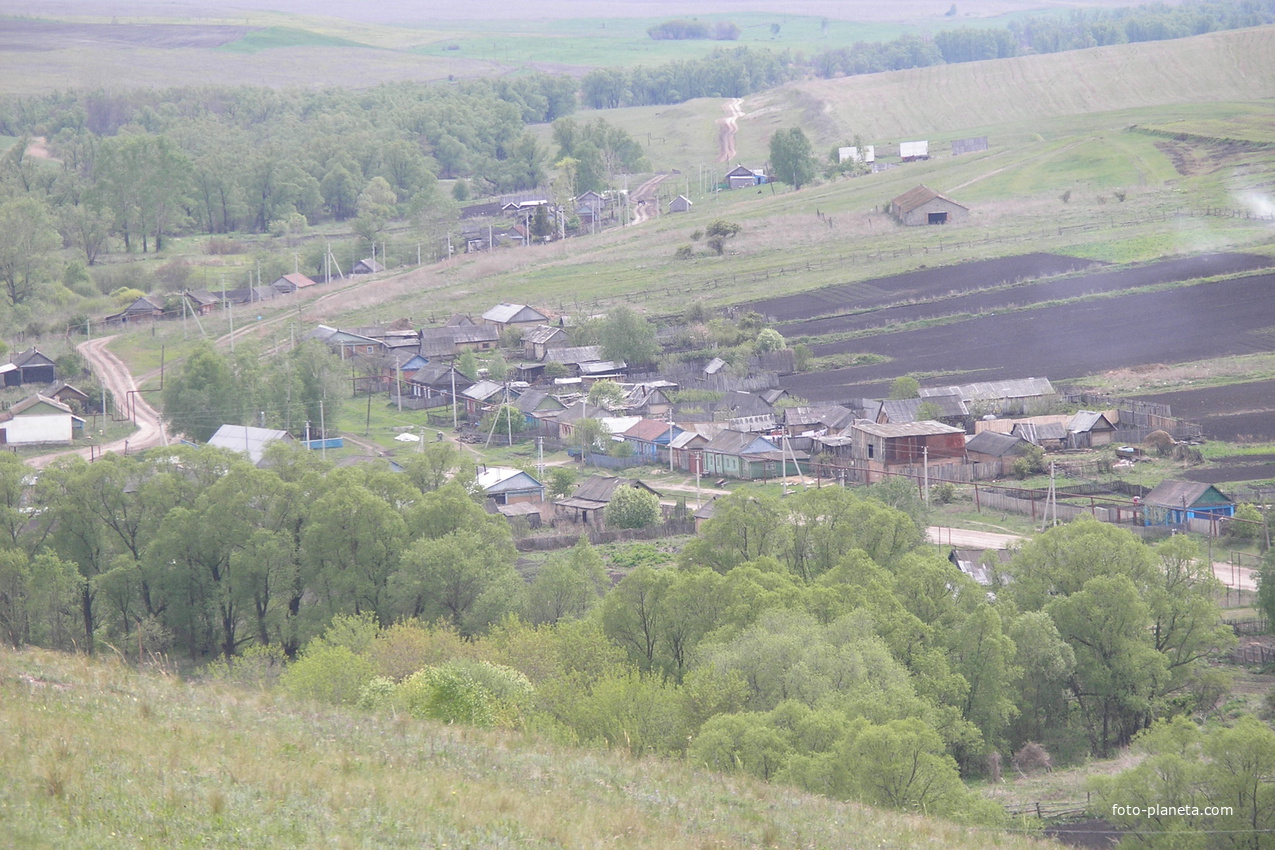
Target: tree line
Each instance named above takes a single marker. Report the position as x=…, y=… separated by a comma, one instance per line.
x=1076, y=30
x=807, y=639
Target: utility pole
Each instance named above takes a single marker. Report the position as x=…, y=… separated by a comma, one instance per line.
x=925, y=461
x=323, y=428
x=453, y=371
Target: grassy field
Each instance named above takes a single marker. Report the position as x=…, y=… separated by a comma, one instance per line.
x=97, y=754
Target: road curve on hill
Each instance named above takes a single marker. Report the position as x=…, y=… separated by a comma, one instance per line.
x=115, y=376
x=726, y=128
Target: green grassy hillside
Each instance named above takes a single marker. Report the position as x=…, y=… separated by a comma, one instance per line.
x=99, y=755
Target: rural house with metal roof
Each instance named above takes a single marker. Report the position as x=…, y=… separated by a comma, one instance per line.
x=923, y=205
x=1176, y=502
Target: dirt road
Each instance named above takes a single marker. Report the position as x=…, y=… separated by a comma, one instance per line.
x=726, y=129
x=1230, y=575
x=116, y=377
x=646, y=205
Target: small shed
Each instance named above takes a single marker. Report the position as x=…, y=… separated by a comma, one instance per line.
x=973, y=145
x=67, y=394
x=680, y=204
x=852, y=154
x=1176, y=502
x=923, y=205
x=1089, y=429
x=35, y=367
x=992, y=447
x=912, y=151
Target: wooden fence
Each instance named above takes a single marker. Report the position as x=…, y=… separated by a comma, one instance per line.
x=1255, y=654
x=551, y=542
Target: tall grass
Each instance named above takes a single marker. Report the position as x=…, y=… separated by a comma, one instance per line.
x=97, y=754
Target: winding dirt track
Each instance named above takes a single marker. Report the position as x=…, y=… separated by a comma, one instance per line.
x=645, y=202
x=727, y=128
x=116, y=377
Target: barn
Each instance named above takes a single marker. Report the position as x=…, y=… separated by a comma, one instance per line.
x=923, y=205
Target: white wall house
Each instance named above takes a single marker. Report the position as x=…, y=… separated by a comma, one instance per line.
x=36, y=420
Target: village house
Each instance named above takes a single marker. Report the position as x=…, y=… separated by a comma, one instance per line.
x=741, y=177
x=508, y=486
x=482, y=397
x=750, y=457
x=688, y=451
x=247, y=440
x=1175, y=502
x=435, y=383
x=346, y=343
x=650, y=398
x=591, y=498
x=201, y=302
x=506, y=316
x=146, y=307
x=537, y=341
x=450, y=341
x=923, y=205
x=649, y=437
x=38, y=419
x=538, y=405
x=67, y=394
x=290, y=283
x=367, y=266
x=881, y=450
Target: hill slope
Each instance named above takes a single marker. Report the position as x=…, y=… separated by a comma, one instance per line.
x=97, y=754
x=951, y=100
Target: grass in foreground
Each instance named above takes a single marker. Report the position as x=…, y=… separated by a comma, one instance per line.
x=97, y=754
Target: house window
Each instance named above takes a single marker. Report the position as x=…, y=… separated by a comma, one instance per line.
x=871, y=450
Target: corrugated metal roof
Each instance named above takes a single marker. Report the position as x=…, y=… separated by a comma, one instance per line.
x=574, y=355
x=994, y=444
x=1088, y=420
x=1175, y=494
x=503, y=479
x=246, y=439
x=906, y=429
x=992, y=390
x=503, y=314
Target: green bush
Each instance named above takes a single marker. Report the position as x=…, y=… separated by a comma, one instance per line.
x=475, y=693
x=328, y=673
